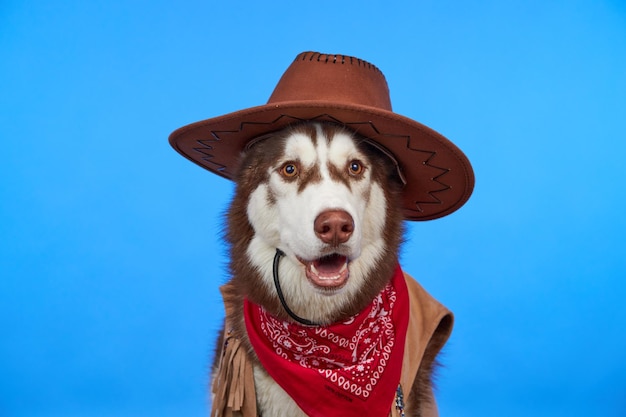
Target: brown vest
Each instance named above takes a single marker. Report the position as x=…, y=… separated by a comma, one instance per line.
x=233, y=383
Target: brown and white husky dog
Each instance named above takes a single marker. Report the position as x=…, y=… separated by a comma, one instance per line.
x=328, y=199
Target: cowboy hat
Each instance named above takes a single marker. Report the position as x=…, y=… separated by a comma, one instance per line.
x=346, y=90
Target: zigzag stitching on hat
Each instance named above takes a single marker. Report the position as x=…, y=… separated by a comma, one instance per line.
x=435, y=179
x=426, y=162
x=205, y=146
x=205, y=143
x=216, y=133
x=207, y=156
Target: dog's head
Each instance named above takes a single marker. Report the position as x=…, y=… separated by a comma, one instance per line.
x=327, y=199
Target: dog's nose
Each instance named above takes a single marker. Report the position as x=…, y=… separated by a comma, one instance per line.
x=334, y=227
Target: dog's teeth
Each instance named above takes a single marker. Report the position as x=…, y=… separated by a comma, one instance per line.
x=329, y=278
x=326, y=277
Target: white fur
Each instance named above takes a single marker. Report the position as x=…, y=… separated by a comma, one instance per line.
x=288, y=225
x=272, y=399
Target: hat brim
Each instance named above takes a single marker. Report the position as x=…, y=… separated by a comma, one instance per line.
x=439, y=178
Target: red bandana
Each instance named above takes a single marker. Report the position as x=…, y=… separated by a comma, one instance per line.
x=349, y=369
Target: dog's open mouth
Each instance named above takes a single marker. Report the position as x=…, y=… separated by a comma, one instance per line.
x=329, y=272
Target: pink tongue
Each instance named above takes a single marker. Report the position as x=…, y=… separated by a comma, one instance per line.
x=331, y=264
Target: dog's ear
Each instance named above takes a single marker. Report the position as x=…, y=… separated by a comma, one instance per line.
x=387, y=166
x=259, y=156
x=250, y=163
x=247, y=169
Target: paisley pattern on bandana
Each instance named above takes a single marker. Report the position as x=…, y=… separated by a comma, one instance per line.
x=352, y=360
x=324, y=367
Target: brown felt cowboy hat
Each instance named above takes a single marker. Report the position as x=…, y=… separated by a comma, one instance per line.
x=337, y=88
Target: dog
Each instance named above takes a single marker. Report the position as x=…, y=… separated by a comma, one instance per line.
x=329, y=200
x=320, y=319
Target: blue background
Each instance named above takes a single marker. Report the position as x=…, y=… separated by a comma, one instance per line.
x=110, y=250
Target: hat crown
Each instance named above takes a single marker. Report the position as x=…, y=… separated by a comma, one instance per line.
x=332, y=78
x=348, y=91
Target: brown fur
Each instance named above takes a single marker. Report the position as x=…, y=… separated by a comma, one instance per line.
x=245, y=278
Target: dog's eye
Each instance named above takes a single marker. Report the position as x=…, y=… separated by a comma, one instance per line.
x=355, y=167
x=289, y=170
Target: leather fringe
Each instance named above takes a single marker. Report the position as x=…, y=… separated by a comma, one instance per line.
x=233, y=385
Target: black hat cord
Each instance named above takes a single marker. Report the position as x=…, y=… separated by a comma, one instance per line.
x=281, y=296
